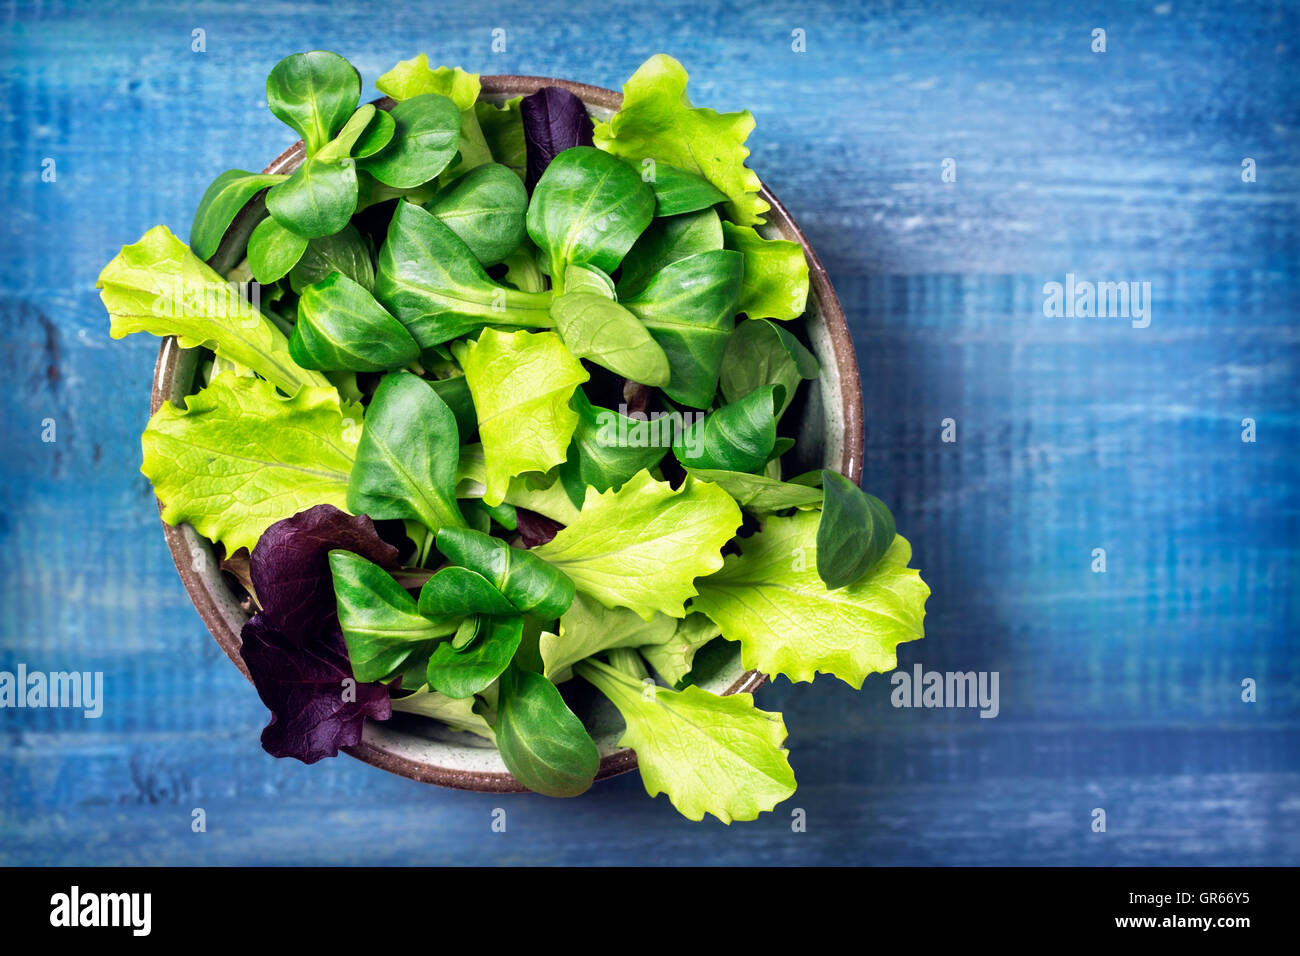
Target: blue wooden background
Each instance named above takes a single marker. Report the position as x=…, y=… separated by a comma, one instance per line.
x=1120, y=690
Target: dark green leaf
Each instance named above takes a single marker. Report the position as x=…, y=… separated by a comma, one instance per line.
x=528, y=582
x=465, y=671
x=677, y=191
x=542, y=743
x=424, y=142
x=855, y=531
x=736, y=437
x=221, y=202
x=314, y=93
x=588, y=207
x=760, y=353
x=341, y=327
x=432, y=282
x=607, y=449
x=455, y=392
x=317, y=200
x=406, y=459
x=346, y=251
x=380, y=622
x=456, y=591
x=690, y=309
x=759, y=493
x=665, y=241
x=486, y=209
x=602, y=331
x=273, y=250
x=377, y=134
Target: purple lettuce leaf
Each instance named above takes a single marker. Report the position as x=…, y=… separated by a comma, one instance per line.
x=290, y=568
x=534, y=529
x=554, y=120
x=316, y=706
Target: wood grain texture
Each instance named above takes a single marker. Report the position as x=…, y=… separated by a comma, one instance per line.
x=1118, y=690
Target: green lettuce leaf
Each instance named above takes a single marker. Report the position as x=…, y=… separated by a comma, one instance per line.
x=760, y=493
x=641, y=547
x=589, y=627
x=776, y=274
x=458, y=714
x=551, y=500
x=672, y=659
x=658, y=122
x=238, y=457
x=521, y=383
x=771, y=599
x=710, y=754
x=503, y=129
x=159, y=286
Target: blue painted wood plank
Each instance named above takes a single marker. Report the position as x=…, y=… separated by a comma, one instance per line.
x=1119, y=690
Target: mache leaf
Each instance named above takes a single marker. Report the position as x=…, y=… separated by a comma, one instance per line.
x=530, y=584
x=855, y=531
x=341, y=327
x=543, y=744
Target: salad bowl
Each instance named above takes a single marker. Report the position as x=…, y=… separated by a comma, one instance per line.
x=829, y=433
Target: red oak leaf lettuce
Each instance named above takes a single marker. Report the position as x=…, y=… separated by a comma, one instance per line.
x=316, y=706
x=554, y=120
x=290, y=568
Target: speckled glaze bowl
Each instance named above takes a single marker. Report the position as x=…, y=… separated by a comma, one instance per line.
x=829, y=434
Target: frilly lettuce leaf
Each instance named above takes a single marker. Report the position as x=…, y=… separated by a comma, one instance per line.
x=710, y=754
x=672, y=659
x=521, y=383
x=456, y=713
x=771, y=600
x=641, y=547
x=159, y=286
x=657, y=121
x=551, y=501
x=414, y=77
x=589, y=627
x=239, y=458
x=776, y=274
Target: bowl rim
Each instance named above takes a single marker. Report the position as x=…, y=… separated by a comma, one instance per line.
x=211, y=608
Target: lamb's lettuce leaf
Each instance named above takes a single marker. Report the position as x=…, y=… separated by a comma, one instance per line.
x=762, y=353
x=486, y=209
x=641, y=547
x=433, y=283
x=776, y=274
x=521, y=383
x=665, y=241
x=588, y=209
x=771, y=599
x=412, y=78
x=407, y=457
x=273, y=250
x=239, y=458
x=598, y=329
x=346, y=251
x=425, y=141
x=457, y=592
x=658, y=122
x=380, y=621
x=341, y=327
x=525, y=580
x=677, y=191
x=608, y=448
x=314, y=93
x=737, y=437
x=855, y=531
x=467, y=670
x=227, y=194
x=159, y=286
x=710, y=754
x=690, y=309
x=543, y=744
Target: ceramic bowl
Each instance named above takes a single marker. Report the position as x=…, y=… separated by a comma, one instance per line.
x=829, y=434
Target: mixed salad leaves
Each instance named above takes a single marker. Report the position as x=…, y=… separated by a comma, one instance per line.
x=507, y=414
